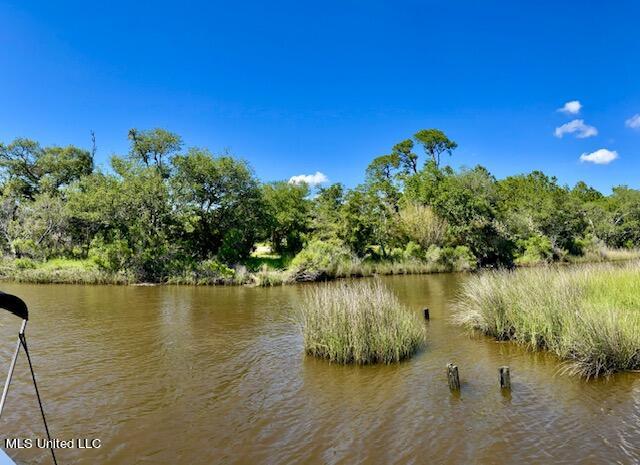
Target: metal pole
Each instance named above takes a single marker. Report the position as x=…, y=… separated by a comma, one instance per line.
x=11, y=368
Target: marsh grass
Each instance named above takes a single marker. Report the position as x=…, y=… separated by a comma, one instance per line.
x=358, y=322
x=60, y=271
x=588, y=316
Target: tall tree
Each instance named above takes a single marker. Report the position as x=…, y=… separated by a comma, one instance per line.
x=435, y=143
x=153, y=147
x=288, y=212
x=220, y=202
x=28, y=169
x=407, y=159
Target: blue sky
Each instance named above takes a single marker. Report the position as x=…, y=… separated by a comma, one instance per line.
x=300, y=87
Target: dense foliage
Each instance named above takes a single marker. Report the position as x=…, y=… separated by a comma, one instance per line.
x=161, y=211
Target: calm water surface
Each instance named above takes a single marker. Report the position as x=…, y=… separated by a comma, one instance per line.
x=199, y=376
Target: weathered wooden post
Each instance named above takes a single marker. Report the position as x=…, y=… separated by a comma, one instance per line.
x=426, y=313
x=452, y=376
x=505, y=378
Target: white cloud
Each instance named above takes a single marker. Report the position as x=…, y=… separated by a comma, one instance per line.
x=599, y=157
x=633, y=122
x=311, y=179
x=578, y=127
x=571, y=108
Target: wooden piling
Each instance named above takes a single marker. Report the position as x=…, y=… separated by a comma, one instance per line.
x=453, y=377
x=505, y=378
x=426, y=313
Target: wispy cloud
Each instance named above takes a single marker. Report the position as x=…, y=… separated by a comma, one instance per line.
x=311, y=179
x=571, y=108
x=577, y=127
x=599, y=157
x=633, y=122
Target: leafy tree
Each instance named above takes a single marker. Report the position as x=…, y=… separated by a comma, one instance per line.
x=133, y=205
x=535, y=205
x=28, y=169
x=408, y=160
x=467, y=200
x=325, y=211
x=365, y=222
x=288, y=212
x=220, y=205
x=435, y=143
x=153, y=147
x=381, y=180
x=35, y=229
x=616, y=219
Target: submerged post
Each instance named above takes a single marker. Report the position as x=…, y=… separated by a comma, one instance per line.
x=505, y=378
x=426, y=313
x=452, y=376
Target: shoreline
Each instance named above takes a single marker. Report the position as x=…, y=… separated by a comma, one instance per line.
x=265, y=277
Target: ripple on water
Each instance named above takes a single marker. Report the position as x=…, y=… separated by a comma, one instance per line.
x=168, y=375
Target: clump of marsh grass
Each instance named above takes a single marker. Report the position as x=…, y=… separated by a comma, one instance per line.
x=588, y=316
x=358, y=322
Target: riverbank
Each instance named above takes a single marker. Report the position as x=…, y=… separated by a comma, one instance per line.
x=314, y=264
x=588, y=316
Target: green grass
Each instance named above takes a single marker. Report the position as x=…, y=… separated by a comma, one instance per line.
x=60, y=271
x=588, y=315
x=358, y=322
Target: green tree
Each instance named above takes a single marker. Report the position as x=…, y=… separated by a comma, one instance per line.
x=288, y=215
x=28, y=169
x=220, y=205
x=325, y=212
x=365, y=222
x=535, y=205
x=616, y=219
x=132, y=205
x=408, y=160
x=153, y=147
x=435, y=143
x=381, y=181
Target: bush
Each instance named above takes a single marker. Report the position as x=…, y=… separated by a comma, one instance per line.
x=535, y=250
x=111, y=256
x=420, y=224
x=24, y=264
x=358, y=322
x=25, y=247
x=459, y=258
x=318, y=260
x=413, y=250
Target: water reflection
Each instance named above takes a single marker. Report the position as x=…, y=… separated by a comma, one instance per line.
x=188, y=375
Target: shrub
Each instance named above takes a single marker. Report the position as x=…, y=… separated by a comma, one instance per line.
x=358, y=322
x=459, y=258
x=535, y=250
x=111, y=256
x=318, y=260
x=414, y=250
x=420, y=224
x=24, y=264
x=269, y=277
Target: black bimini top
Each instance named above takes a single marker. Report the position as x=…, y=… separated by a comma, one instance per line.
x=14, y=304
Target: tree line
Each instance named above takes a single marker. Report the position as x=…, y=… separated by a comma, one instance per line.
x=162, y=209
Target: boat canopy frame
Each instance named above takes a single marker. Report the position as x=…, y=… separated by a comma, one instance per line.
x=14, y=305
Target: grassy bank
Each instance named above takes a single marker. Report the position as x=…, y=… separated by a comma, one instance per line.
x=60, y=271
x=358, y=322
x=588, y=316
x=319, y=261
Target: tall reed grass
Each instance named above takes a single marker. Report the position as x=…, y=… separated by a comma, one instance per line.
x=588, y=316
x=358, y=322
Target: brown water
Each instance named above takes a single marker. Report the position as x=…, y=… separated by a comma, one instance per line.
x=183, y=375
